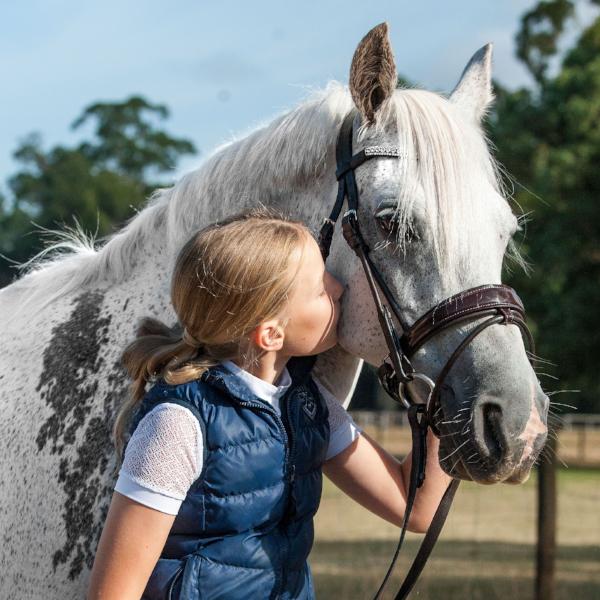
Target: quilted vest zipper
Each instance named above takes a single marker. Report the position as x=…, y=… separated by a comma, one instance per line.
x=292, y=446
x=291, y=479
x=290, y=469
x=178, y=574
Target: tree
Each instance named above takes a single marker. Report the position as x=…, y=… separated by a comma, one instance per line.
x=548, y=137
x=127, y=143
x=540, y=31
x=99, y=182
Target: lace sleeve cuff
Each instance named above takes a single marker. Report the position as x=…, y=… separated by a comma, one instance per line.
x=130, y=488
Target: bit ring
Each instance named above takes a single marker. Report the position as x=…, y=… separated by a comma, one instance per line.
x=421, y=377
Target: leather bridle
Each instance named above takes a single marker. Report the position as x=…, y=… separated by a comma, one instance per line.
x=498, y=304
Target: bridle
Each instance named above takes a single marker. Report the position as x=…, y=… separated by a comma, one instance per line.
x=498, y=304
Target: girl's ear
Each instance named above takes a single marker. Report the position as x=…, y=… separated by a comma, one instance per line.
x=268, y=335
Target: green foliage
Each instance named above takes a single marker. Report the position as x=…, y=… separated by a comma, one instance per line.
x=404, y=82
x=549, y=140
x=539, y=34
x=129, y=144
x=100, y=182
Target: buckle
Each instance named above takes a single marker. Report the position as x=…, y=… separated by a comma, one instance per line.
x=389, y=382
x=414, y=378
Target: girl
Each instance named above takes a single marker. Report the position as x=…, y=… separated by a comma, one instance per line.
x=222, y=471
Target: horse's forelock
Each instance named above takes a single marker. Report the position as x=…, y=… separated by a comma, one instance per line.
x=448, y=163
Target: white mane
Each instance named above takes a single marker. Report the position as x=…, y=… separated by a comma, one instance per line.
x=273, y=160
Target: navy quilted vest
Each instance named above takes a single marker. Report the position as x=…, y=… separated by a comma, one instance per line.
x=245, y=528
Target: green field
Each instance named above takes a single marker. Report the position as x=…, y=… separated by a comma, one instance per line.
x=487, y=549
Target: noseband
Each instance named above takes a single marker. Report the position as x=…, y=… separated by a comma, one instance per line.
x=497, y=304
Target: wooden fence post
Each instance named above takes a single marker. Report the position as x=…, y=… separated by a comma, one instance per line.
x=546, y=543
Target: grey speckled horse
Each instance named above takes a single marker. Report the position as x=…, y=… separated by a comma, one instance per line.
x=436, y=220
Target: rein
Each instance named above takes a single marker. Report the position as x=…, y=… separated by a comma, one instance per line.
x=498, y=303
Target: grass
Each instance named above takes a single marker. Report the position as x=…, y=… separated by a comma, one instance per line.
x=487, y=549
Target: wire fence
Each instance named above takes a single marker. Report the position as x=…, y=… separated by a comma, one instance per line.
x=492, y=544
x=578, y=437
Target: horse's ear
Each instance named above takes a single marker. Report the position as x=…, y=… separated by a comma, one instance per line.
x=373, y=72
x=473, y=93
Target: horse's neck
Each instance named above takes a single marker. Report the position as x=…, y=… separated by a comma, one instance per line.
x=307, y=201
x=153, y=258
x=143, y=255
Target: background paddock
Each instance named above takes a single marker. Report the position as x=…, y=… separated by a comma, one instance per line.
x=487, y=549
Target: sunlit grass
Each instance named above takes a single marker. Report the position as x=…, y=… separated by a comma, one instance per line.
x=487, y=548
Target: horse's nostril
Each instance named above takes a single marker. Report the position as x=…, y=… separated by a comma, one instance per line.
x=491, y=437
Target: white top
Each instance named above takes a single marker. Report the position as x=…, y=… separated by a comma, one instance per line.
x=165, y=453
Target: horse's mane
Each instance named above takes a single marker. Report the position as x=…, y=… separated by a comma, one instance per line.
x=276, y=158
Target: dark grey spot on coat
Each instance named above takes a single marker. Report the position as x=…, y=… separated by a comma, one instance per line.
x=72, y=367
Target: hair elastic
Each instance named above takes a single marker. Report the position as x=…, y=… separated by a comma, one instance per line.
x=189, y=339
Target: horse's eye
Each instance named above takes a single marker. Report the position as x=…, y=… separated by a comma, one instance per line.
x=390, y=224
x=386, y=224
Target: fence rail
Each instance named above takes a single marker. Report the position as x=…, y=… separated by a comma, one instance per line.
x=578, y=437
x=576, y=420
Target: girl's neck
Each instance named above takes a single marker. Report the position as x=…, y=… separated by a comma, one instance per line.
x=267, y=367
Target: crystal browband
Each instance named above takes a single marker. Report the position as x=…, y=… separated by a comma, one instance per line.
x=382, y=151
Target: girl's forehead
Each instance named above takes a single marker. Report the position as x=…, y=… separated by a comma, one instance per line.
x=311, y=255
x=307, y=262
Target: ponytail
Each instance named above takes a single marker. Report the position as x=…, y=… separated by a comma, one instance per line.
x=169, y=353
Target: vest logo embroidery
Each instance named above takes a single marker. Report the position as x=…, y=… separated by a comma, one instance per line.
x=309, y=406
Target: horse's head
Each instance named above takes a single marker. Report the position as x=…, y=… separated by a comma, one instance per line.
x=437, y=224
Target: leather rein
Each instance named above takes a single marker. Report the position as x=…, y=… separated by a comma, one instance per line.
x=497, y=304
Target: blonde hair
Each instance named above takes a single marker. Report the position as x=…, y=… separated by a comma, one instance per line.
x=228, y=278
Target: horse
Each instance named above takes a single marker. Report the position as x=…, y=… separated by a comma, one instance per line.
x=437, y=221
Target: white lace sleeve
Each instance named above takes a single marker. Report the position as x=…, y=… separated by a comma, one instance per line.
x=342, y=428
x=163, y=458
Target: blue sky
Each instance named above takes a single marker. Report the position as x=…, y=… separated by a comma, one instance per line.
x=222, y=67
